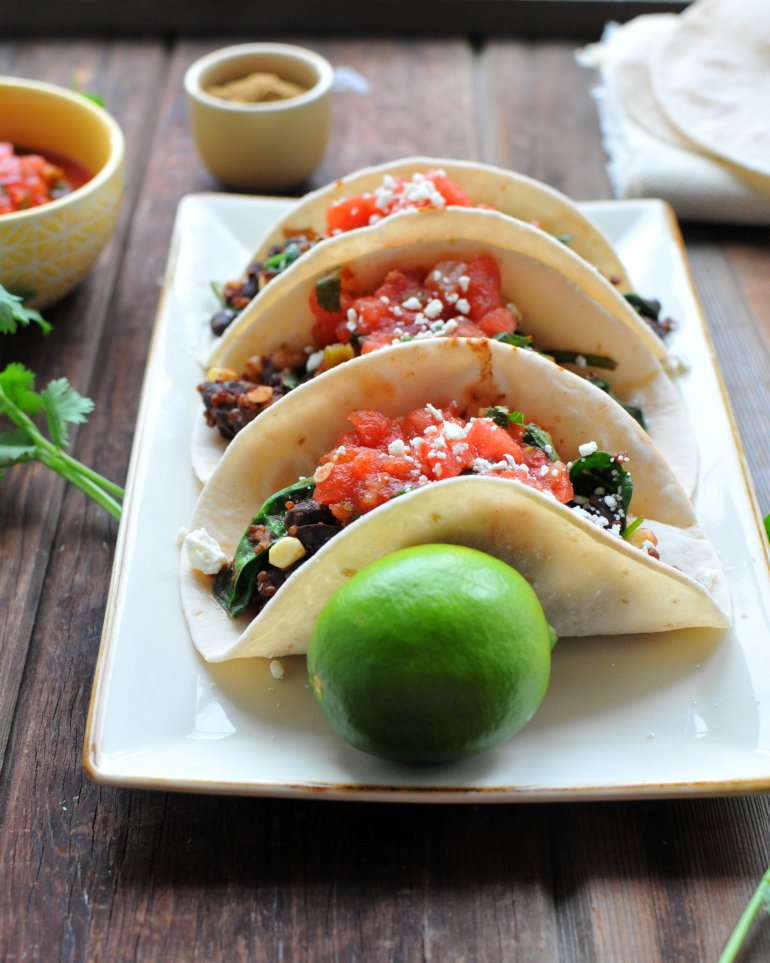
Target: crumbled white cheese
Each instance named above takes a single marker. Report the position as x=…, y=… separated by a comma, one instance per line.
x=422, y=190
x=314, y=361
x=580, y=361
x=454, y=432
x=277, y=670
x=463, y=306
x=587, y=449
x=412, y=304
x=397, y=447
x=433, y=308
x=462, y=282
x=204, y=552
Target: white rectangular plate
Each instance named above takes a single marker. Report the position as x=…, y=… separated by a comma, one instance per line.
x=685, y=713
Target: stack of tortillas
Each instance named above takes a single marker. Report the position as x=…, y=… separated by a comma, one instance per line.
x=685, y=108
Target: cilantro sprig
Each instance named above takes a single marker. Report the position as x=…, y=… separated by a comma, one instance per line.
x=13, y=314
x=61, y=407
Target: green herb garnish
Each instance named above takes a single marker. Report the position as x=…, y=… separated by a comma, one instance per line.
x=539, y=438
x=517, y=340
x=647, y=307
x=581, y=359
x=219, y=292
x=280, y=261
x=760, y=900
x=62, y=406
x=503, y=417
x=633, y=527
x=327, y=292
x=13, y=314
x=634, y=410
x=234, y=586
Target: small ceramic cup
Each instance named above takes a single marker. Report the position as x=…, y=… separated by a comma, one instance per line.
x=267, y=146
x=45, y=251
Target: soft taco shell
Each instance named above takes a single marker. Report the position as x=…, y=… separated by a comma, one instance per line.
x=590, y=582
x=509, y=193
x=564, y=302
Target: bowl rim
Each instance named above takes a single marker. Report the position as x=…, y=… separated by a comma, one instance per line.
x=193, y=73
x=107, y=170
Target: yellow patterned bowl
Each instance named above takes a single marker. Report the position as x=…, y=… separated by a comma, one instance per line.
x=45, y=251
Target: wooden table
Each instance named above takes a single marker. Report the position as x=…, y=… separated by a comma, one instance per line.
x=92, y=873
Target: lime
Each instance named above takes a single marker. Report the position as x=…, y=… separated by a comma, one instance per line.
x=430, y=654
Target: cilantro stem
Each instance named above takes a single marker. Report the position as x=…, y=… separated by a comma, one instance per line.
x=90, y=482
x=77, y=477
x=760, y=898
x=104, y=483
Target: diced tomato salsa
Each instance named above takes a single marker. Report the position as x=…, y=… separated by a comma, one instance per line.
x=430, y=189
x=384, y=457
x=29, y=180
x=459, y=298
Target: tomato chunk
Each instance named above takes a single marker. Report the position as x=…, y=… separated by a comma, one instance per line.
x=384, y=457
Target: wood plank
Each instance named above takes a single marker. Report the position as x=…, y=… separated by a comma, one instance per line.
x=538, y=117
x=433, y=18
x=31, y=496
x=94, y=873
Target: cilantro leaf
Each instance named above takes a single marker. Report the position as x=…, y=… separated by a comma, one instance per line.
x=767, y=526
x=25, y=442
x=503, y=417
x=15, y=445
x=13, y=314
x=64, y=405
x=17, y=384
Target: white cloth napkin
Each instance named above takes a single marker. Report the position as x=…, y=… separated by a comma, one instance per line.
x=647, y=155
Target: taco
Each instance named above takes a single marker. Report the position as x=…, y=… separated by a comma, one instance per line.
x=473, y=443
x=418, y=183
x=496, y=277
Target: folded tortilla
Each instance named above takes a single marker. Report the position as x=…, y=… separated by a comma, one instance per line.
x=589, y=581
x=509, y=193
x=564, y=303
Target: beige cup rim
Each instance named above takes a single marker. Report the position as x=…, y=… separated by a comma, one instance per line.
x=324, y=70
x=105, y=172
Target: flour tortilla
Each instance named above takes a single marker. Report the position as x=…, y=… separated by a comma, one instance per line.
x=564, y=302
x=509, y=193
x=589, y=581
x=711, y=77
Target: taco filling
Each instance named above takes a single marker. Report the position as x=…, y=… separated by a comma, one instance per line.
x=429, y=189
x=454, y=298
x=383, y=458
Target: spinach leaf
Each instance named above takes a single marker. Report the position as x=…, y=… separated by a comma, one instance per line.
x=234, y=586
x=598, y=475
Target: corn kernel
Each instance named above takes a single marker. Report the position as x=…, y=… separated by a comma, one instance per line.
x=286, y=551
x=221, y=374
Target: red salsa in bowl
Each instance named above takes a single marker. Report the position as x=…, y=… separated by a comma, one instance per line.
x=29, y=179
